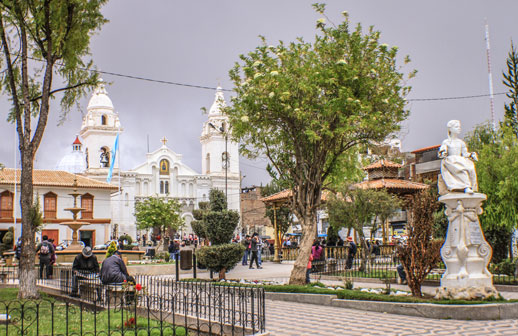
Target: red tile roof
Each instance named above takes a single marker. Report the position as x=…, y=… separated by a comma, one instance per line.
x=420, y=150
x=382, y=164
x=76, y=141
x=393, y=184
x=54, y=178
x=285, y=195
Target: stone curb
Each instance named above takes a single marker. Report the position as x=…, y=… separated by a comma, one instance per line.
x=490, y=311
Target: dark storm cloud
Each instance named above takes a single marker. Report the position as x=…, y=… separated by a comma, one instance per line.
x=197, y=42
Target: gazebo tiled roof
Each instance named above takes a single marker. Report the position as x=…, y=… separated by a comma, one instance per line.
x=382, y=164
x=53, y=178
x=285, y=195
x=392, y=184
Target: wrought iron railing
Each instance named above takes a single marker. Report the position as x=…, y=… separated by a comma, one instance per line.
x=204, y=307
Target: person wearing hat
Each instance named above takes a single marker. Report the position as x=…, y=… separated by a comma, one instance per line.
x=114, y=270
x=85, y=266
x=351, y=252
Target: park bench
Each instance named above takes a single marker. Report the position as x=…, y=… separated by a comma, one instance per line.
x=3, y=277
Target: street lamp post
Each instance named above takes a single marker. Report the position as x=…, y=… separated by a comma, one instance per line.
x=225, y=155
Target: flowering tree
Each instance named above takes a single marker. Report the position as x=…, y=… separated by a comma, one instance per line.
x=307, y=105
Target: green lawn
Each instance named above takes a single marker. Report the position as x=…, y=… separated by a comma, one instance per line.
x=56, y=318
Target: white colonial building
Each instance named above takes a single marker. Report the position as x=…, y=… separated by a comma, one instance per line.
x=52, y=189
x=163, y=173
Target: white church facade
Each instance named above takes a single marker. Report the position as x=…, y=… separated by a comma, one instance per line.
x=162, y=173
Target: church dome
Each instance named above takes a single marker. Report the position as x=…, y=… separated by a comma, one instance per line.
x=75, y=161
x=100, y=99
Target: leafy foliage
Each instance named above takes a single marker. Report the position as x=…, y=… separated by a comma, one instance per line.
x=42, y=41
x=496, y=171
x=359, y=208
x=219, y=225
x=220, y=258
x=307, y=105
x=421, y=253
x=198, y=225
x=511, y=81
x=157, y=212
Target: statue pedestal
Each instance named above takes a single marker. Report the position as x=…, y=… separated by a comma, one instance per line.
x=465, y=252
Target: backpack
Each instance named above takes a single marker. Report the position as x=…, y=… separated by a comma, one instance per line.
x=44, y=250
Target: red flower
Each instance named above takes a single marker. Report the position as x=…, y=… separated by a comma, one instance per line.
x=124, y=281
x=138, y=287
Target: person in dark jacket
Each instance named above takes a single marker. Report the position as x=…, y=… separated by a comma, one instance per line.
x=254, y=245
x=351, y=252
x=45, y=251
x=85, y=267
x=114, y=271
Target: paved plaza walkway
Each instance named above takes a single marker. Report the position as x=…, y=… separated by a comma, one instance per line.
x=298, y=319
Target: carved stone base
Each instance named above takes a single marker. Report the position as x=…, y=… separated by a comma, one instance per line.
x=465, y=252
x=466, y=293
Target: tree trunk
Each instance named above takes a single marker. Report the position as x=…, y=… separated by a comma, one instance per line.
x=298, y=274
x=222, y=273
x=27, y=273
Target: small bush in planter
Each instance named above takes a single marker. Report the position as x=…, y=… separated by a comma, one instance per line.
x=220, y=258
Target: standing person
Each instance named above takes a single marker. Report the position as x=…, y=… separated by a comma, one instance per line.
x=144, y=237
x=246, y=244
x=52, y=259
x=85, y=266
x=317, y=256
x=259, y=250
x=45, y=250
x=351, y=252
x=18, y=249
x=253, y=248
x=308, y=269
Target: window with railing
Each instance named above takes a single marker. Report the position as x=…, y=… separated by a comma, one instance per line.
x=50, y=208
x=6, y=204
x=87, y=203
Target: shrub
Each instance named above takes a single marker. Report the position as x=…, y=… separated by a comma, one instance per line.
x=507, y=267
x=220, y=258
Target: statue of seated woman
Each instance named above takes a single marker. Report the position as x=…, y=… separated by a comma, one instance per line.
x=457, y=167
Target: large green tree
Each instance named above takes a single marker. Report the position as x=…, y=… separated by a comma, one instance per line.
x=496, y=170
x=159, y=213
x=511, y=81
x=307, y=105
x=43, y=42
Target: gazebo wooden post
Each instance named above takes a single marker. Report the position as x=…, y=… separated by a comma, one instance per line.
x=277, y=245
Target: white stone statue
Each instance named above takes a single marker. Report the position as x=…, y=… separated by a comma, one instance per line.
x=457, y=169
x=465, y=252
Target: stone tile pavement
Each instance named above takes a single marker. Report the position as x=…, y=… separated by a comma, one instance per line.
x=298, y=319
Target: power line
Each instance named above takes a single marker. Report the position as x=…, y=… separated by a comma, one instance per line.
x=198, y=86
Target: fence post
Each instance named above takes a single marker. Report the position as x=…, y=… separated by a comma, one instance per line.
x=177, y=267
x=194, y=264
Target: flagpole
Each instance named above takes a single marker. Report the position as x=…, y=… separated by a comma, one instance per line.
x=120, y=190
x=14, y=182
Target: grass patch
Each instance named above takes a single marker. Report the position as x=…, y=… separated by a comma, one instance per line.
x=49, y=316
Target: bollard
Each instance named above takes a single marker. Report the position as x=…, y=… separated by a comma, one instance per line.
x=177, y=266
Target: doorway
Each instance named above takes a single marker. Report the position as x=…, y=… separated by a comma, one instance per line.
x=87, y=237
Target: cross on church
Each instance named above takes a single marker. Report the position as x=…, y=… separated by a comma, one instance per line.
x=164, y=140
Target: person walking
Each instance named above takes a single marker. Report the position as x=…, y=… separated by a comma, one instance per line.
x=308, y=269
x=259, y=250
x=45, y=250
x=254, y=242
x=246, y=244
x=351, y=252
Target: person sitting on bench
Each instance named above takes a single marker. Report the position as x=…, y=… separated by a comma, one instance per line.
x=114, y=270
x=85, y=267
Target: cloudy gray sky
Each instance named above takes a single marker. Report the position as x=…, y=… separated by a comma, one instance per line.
x=197, y=42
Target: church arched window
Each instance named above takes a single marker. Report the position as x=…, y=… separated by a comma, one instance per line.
x=103, y=120
x=164, y=167
x=166, y=188
x=207, y=163
x=161, y=187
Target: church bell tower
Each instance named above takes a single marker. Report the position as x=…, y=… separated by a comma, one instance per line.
x=99, y=130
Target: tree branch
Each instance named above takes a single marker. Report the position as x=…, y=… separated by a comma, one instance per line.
x=61, y=89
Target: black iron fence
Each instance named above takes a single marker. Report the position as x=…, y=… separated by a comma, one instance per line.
x=154, y=303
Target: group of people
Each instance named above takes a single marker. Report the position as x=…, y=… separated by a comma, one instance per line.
x=317, y=254
x=253, y=248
